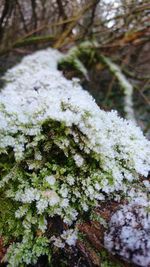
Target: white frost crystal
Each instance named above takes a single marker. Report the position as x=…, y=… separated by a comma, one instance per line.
x=50, y=179
x=63, y=153
x=129, y=234
x=68, y=236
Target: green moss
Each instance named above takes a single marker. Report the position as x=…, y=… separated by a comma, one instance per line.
x=20, y=222
x=106, y=261
x=10, y=227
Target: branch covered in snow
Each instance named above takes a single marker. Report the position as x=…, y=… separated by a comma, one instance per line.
x=126, y=86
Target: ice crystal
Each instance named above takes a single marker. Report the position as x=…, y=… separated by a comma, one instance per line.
x=129, y=233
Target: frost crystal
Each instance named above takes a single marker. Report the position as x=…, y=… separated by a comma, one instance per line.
x=129, y=234
x=69, y=237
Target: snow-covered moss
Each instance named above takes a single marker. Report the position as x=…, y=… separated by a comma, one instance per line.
x=60, y=154
x=82, y=57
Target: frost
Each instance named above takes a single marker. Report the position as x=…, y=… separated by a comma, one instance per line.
x=127, y=87
x=50, y=179
x=129, y=233
x=69, y=237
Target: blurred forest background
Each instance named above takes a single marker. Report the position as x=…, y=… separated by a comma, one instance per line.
x=118, y=30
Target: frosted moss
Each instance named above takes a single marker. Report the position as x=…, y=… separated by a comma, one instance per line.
x=60, y=154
